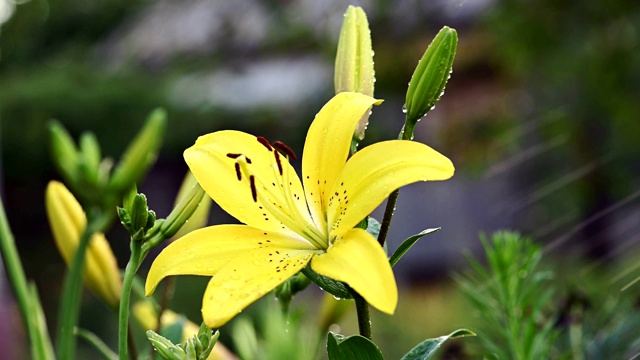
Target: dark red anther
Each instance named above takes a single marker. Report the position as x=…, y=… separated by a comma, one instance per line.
x=278, y=161
x=238, y=173
x=254, y=191
x=233, y=156
x=283, y=148
x=262, y=140
x=248, y=160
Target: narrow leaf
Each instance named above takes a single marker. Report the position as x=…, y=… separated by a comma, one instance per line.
x=426, y=349
x=335, y=288
x=407, y=244
x=96, y=342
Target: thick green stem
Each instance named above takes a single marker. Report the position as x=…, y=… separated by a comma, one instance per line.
x=364, y=319
x=405, y=134
x=28, y=302
x=71, y=294
x=123, y=314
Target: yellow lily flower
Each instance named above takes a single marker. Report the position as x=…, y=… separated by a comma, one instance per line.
x=68, y=221
x=288, y=225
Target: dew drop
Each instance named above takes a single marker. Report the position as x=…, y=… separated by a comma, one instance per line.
x=404, y=109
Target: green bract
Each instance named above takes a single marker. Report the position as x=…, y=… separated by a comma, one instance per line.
x=430, y=76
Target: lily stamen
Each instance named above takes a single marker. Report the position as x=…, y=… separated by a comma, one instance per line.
x=285, y=149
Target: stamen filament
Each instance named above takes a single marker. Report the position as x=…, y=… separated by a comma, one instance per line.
x=289, y=217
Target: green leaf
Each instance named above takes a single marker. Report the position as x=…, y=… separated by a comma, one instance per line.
x=333, y=287
x=354, y=347
x=426, y=349
x=407, y=244
x=96, y=342
x=373, y=227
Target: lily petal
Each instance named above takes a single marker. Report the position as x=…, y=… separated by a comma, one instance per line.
x=247, y=278
x=374, y=172
x=357, y=259
x=205, y=251
x=327, y=147
x=243, y=176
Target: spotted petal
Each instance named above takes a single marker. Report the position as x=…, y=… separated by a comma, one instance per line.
x=247, y=278
x=206, y=251
x=327, y=147
x=357, y=259
x=247, y=179
x=374, y=172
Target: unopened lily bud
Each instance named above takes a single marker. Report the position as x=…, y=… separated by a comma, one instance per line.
x=136, y=216
x=201, y=215
x=354, y=60
x=68, y=221
x=90, y=157
x=165, y=348
x=204, y=341
x=430, y=76
x=64, y=152
x=140, y=154
x=181, y=213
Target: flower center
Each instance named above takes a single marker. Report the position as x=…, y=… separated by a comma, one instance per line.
x=278, y=197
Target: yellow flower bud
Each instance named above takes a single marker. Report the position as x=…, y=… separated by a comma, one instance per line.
x=354, y=60
x=68, y=221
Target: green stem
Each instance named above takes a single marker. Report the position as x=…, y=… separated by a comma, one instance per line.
x=405, y=134
x=28, y=302
x=71, y=294
x=364, y=319
x=123, y=314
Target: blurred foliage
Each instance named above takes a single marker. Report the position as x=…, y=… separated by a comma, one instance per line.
x=579, y=70
x=513, y=298
x=527, y=308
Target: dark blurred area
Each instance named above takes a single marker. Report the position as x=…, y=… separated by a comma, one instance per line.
x=540, y=117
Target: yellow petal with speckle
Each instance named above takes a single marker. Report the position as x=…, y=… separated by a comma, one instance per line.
x=357, y=259
x=374, y=172
x=327, y=147
x=213, y=160
x=247, y=278
x=205, y=251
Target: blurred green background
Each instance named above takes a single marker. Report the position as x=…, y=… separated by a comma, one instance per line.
x=540, y=117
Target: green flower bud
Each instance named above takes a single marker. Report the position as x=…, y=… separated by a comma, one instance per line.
x=90, y=157
x=165, y=348
x=201, y=215
x=136, y=216
x=140, y=154
x=430, y=77
x=64, y=151
x=139, y=212
x=166, y=228
x=183, y=211
x=354, y=60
